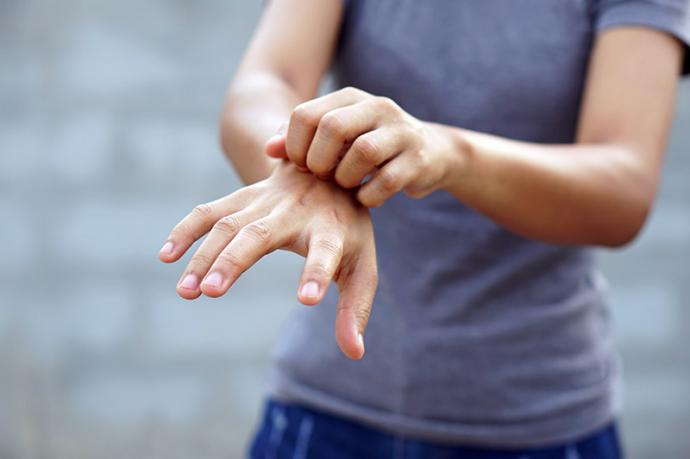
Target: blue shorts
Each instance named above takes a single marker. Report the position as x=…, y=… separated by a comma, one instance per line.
x=296, y=432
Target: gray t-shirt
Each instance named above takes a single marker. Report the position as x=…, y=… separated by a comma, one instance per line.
x=477, y=335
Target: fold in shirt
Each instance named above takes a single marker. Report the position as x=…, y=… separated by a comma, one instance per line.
x=477, y=335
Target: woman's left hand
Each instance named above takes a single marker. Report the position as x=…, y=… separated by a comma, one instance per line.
x=349, y=135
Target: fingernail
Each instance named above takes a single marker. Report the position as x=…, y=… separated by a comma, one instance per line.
x=167, y=248
x=275, y=137
x=189, y=282
x=310, y=290
x=360, y=339
x=214, y=280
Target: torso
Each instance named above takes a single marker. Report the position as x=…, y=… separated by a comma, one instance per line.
x=476, y=333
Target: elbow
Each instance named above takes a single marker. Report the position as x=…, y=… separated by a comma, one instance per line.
x=625, y=216
x=621, y=237
x=226, y=125
x=627, y=226
x=224, y=134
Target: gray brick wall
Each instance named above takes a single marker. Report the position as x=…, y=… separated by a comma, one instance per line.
x=108, y=116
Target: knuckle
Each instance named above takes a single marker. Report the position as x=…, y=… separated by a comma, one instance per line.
x=366, y=149
x=319, y=271
x=350, y=91
x=416, y=132
x=388, y=181
x=386, y=104
x=229, y=260
x=229, y=225
x=422, y=159
x=247, y=192
x=260, y=231
x=202, y=211
x=331, y=246
x=332, y=126
x=302, y=114
x=201, y=259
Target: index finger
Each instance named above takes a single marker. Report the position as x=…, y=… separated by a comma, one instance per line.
x=305, y=119
x=199, y=222
x=255, y=240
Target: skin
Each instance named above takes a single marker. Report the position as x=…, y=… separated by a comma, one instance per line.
x=291, y=210
x=597, y=191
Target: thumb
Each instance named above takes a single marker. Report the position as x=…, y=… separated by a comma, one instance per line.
x=275, y=146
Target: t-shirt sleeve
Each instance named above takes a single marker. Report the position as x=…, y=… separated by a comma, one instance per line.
x=670, y=16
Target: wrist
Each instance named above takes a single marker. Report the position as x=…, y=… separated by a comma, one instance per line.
x=455, y=152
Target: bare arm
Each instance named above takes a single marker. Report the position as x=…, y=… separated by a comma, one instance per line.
x=287, y=208
x=286, y=59
x=597, y=191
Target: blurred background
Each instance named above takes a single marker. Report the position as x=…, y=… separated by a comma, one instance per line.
x=108, y=117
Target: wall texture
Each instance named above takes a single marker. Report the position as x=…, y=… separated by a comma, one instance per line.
x=107, y=137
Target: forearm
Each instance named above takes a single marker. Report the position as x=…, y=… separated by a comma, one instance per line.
x=568, y=194
x=255, y=106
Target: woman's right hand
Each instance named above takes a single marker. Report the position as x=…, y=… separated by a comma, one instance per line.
x=290, y=210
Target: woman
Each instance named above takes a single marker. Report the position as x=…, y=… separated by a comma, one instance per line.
x=484, y=146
